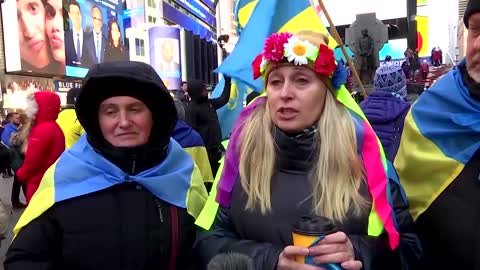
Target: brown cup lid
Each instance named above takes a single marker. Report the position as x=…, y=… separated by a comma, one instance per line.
x=315, y=226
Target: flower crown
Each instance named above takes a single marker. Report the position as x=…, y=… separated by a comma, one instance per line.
x=286, y=47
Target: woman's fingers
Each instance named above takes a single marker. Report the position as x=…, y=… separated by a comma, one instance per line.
x=338, y=257
x=292, y=251
x=352, y=265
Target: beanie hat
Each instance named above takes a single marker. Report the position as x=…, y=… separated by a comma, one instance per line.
x=391, y=78
x=473, y=7
x=126, y=78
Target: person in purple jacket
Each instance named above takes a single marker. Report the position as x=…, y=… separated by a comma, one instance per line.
x=387, y=107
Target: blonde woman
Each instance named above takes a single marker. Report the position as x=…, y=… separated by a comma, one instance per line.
x=299, y=152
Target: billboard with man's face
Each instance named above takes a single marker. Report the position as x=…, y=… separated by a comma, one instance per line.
x=165, y=54
x=62, y=37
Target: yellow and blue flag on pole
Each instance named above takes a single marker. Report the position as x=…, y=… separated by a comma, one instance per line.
x=267, y=17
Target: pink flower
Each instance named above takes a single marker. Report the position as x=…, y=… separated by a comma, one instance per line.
x=273, y=50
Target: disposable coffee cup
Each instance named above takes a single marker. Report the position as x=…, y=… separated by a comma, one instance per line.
x=308, y=231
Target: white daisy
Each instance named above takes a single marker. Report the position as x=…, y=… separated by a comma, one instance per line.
x=263, y=65
x=300, y=51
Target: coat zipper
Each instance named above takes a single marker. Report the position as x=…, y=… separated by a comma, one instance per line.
x=159, y=208
x=175, y=247
x=134, y=157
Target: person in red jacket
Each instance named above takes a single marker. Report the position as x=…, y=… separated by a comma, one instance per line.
x=46, y=141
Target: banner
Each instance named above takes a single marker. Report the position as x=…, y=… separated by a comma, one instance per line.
x=165, y=54
x=62, y=37
x=64, y=86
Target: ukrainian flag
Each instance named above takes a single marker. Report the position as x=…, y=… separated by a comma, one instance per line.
x=193, y=144
x=229, y=113
x=242, y=11
x=80, y=171
x=261, y=19
x=440, y=136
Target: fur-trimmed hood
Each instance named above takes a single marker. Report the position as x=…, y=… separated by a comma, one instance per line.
x=42, y=106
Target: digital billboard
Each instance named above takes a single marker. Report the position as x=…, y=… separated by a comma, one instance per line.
x=133, y=13
x=62, y=37
x=165, y=54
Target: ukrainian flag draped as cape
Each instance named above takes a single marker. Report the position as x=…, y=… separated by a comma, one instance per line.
x=270, y=16
x=441, y=134
x=81, y=171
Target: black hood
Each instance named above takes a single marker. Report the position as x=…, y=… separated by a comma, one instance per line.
x=137, y=80
x=195, y=90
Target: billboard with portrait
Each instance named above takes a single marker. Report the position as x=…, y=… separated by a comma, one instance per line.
x=165, y=54
x=94, y=34
x=62, y=37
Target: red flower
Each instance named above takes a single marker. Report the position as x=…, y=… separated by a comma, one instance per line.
x=325, y=63
x=256, y=66
x=273, y=49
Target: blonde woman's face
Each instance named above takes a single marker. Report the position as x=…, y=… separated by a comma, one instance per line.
x=296, y=97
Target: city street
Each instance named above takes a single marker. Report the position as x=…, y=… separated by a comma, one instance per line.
x=5, y=189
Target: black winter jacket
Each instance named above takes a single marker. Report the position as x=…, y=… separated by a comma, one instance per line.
x=123, y=228
x=201, y=112
x=263, y=237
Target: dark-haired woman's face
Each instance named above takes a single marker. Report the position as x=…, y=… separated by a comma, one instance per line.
x=31, y=31
x=115, y=31
x=54, y=28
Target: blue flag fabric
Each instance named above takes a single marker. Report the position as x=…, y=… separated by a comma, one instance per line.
x=228, y=114
x=268, y=16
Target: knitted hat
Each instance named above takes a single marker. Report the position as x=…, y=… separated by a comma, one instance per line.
x=391, y=78
x=473, y=7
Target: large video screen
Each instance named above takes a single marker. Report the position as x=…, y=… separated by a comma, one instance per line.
x=62, y=37
x=165, y=54
x=344, y=12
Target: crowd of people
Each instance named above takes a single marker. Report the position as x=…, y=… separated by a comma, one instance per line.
x=127, y=176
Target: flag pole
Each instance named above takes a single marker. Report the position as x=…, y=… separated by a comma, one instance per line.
x=336, y=36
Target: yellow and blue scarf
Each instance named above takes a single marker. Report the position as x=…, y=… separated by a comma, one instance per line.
x=80, y=171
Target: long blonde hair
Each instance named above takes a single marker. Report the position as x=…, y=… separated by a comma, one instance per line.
x=337, y=172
